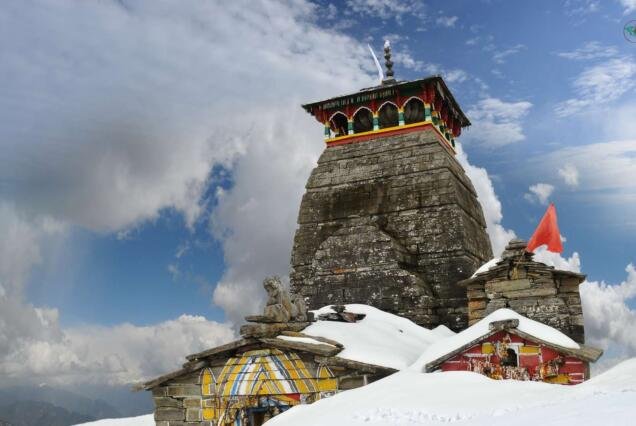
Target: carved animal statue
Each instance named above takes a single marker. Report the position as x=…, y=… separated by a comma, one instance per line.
x=280, y=306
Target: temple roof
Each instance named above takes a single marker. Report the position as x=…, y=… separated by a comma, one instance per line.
x=359, y=96
x=512, y=322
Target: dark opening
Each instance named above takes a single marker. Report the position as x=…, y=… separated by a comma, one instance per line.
x=413, y=111
x=362, y=121
x=338, y=124
x=388, y=116
x=510, y=359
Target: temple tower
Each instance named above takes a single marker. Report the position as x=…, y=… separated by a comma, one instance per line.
x=389, y=217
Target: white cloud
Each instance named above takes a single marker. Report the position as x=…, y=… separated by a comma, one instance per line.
x=501, y=56
x=496, y=122
x=385, y=9
x=570, y=175
x=539, y=193
x=610, y=322
x=166, y=112
x=110, y=355
x=581, y=7
x=604, y=172
x=446, y=21
x=131, y=122
x=590, y=50
x=629, y=5
x=599, y=85
x=499, y=236
x=34, y=347
x=572, y=263
x=405, y=59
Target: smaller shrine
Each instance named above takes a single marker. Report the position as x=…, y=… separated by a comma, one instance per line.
x=274, y=366
x=531, y=288
x=506, y=345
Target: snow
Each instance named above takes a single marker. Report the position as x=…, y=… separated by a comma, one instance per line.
x=479, y=329
x=303, y=340
x=411, y=398
x=380, y=338
x=147, y=420
x=486, y=266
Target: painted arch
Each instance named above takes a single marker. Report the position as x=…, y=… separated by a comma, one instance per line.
x=270, y=375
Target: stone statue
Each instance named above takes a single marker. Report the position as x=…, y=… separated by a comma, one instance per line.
x=280, y=307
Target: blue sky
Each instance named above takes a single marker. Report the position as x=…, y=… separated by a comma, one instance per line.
x=154, y=153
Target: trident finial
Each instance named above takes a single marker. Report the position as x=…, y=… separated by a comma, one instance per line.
x=389, y=65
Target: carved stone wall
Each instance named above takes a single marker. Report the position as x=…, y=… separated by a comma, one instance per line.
x=394, y=223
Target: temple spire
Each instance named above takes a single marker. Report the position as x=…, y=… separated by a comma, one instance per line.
x=389, y=65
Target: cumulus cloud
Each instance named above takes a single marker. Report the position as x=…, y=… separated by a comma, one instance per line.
x=496, y=122
x=109, y=355
x=610, y=321
x=130, y=121
x=539, y=193
x=599, y=85
x=570, y=175
x=499, y=236
x=572, y=263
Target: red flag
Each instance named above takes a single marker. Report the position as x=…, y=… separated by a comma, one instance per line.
x=547, y=233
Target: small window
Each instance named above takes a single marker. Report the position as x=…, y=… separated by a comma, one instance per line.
x=362, y=121
x=388, y=116
x=413, y=111
x=510, y=359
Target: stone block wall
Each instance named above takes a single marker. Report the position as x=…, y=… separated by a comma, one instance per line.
x=393, y=222
x=530, y=288
x=178, y=402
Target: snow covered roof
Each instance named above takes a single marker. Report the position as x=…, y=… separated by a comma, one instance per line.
x=508, y=319
x=515, y=253
x=380, y=338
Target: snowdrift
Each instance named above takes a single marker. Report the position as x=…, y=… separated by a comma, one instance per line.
x=412, y=398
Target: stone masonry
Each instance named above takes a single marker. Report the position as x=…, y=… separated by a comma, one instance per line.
x=530, y=288
x=393, y=222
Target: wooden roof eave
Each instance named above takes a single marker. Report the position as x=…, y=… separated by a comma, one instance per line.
x=586, y=353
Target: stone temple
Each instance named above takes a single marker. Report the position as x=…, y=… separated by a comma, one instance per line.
x=389, y=217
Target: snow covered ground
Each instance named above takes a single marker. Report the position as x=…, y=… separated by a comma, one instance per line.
x=412, y=398
x=147, y=420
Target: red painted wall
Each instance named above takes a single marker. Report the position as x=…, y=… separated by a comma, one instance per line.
x=507, y=356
